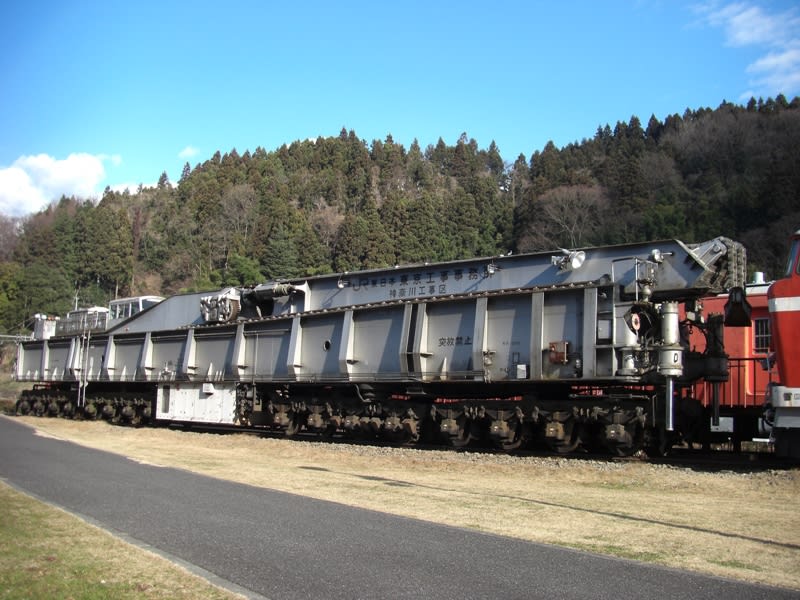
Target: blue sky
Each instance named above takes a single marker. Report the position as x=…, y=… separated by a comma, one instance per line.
x=97, y=93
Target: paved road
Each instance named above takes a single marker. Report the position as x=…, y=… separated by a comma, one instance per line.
x=283, y=547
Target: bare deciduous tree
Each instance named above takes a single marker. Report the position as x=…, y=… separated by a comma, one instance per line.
x=9, y=236
x=240, y=208
x=565, y=216
x=326, y=220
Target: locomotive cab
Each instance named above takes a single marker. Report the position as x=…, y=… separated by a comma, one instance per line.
x=784, y=396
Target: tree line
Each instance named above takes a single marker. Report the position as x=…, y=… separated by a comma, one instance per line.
x=340, y=204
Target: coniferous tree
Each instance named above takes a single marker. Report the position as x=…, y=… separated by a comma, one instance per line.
x=338, y=202
x=11, y=318
x=187, y=170
x=378, y=251
x=105, y=251
x=163, y=180
x=351, y=244
x=280, y=260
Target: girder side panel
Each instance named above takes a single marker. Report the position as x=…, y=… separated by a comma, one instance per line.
x=127, y=357
x=267, y=351
x=450, y=339
x=93, y=362
x=562, y=319
x=57, y=362
x=322, y=339
x=168, y=352
x=377, y=342
x=214, y=354
x=508, y=338
x=31, y=360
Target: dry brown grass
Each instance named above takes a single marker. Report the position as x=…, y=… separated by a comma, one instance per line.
x=48, y=553
x=738, y=525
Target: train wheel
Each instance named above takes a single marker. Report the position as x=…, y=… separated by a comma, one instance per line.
x=53, y=409
x=411, y=426
x=293, y=428
x=332, y=424
x=399, y=438
x=511, y=446
x=562, y=433
x=564, y=447
x=401, y=431
x=23, y=407
x=297, y=418
x=460, y=441
x=146, y=414
x=624, y=440
x=455, y=432
x=626, y=450
x=515, y=441
x=39, y=407
x=659, y=442
x=90, y=411
x=508, y=434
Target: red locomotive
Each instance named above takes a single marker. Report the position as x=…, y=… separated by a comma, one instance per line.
x=783, y=397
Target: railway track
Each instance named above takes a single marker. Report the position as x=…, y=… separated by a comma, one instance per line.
x=720, y=457
x=716, y=459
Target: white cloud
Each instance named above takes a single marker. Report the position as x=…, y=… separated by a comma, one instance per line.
x=777, y=34
x=778, y=70
x=32, y=182
x=115, y=159
x=746, y=25
x=188, y=152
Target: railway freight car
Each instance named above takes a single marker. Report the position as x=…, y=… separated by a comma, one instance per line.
x=574, y=348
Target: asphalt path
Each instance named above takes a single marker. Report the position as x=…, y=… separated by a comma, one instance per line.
x=280, y=546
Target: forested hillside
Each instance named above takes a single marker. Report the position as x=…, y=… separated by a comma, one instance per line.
x=342, y=203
